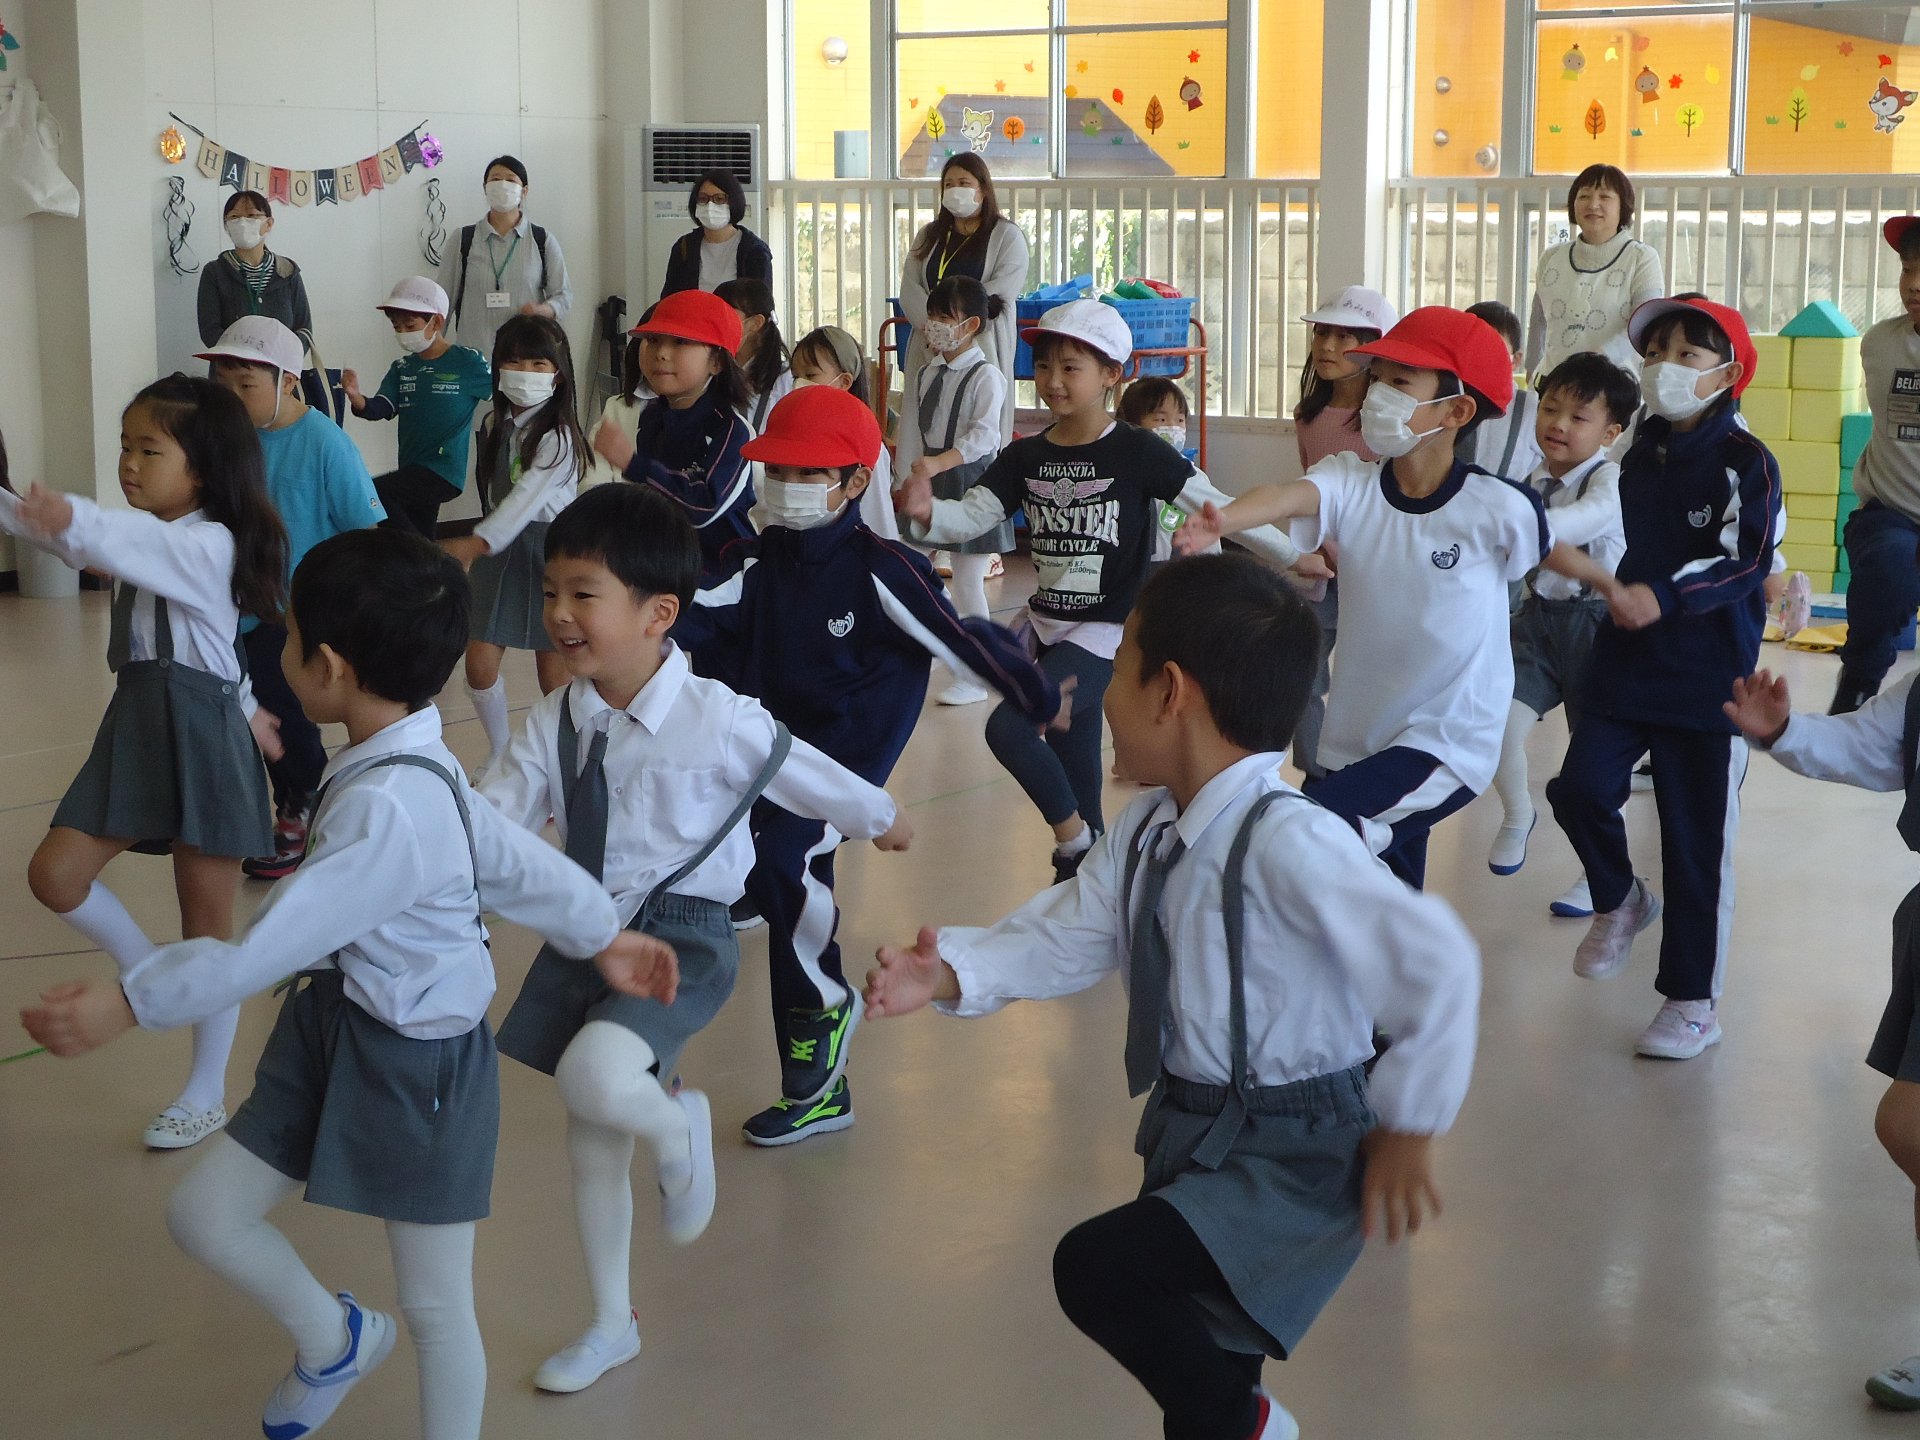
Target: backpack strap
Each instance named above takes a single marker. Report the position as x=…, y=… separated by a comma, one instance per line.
x=460, y=290
x=540, y=244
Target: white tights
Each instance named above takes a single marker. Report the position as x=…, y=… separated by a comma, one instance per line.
x=218, y=1216
x=1510, y=779
x=613, y=1098
x=968, y=587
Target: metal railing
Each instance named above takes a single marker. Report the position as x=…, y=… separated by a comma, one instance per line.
x=845, y=243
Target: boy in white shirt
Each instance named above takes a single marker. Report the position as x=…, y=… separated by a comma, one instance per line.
x=1261, y=945
x=648, y=771
x=378, y=1089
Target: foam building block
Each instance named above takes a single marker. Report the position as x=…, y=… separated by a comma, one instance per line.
x=1808, y=531
x=1817, y=415
x=1811, y=558
x=1855, y=430
x=1807, y=467
x=1773, y=360
x=1820, y=583
x=1813, y=507
x=1820, y=320
x=1846, y=481
x=1822, y=364
x=1769, y=411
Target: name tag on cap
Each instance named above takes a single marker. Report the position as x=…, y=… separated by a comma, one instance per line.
x=499, y=300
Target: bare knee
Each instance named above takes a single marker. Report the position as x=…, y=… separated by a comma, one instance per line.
x=1896, y=1124
x=56, y=881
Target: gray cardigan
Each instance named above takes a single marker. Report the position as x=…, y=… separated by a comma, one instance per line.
x=224, y=296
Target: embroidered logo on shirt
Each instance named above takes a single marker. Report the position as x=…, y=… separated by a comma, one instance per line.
x=1065, y=490
x=842, y=627
x=1699, y=519
x=1448, y=558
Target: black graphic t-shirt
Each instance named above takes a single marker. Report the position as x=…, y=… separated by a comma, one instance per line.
x=1090, y=515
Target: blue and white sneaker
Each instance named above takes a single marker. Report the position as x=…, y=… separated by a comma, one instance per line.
x=1575, y=903
x=1509, y=850
x=306, y=1399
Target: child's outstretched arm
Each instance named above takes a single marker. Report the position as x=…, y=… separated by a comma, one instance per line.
x=813, y=784
x=1262, y=505
x=1866, y=748
x=190, y=565
x=1269, y=542
x=905, y=980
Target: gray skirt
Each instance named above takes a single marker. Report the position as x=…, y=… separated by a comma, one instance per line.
x=561, y=995
x=509, y=593
x=1281, y=1215
x=952, y=485
x=371, y=1120
x=173, y=760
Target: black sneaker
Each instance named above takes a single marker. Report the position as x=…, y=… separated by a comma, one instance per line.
x=1850, y=694
x=744, y=916
x=787, y=1122
x=1065, y=867
x=817, y=1043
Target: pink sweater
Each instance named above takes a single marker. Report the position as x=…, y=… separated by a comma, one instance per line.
x=1328, y=433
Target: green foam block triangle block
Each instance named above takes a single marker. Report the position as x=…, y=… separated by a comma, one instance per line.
x=1820, y=320
x=1855, y=431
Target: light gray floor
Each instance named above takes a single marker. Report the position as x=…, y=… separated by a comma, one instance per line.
x=1630, y=1248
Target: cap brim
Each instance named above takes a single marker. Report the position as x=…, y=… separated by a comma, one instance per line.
x=246, y=355
x=1643, y=318
x=1405, y=353
x=802, y=454
x=411, y=309
x=1030, y=333
x=1345, y=319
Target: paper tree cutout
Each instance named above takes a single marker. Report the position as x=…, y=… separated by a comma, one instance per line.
x=1014, y=127
x=1156, y=116
x=1595, y=121
x=1797, y=108
x=936, y=123
x=1690, y=116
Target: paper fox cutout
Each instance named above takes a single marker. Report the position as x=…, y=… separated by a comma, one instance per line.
x=1887, y=103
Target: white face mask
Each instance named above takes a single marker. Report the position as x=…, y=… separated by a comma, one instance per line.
x=503, y=196
x=1669, y=388
x=714, y=216
x=1385, y=418
x=944, y=336
x=797, y=507
x=413, y=341
x=527, y=387
x=961, y=201
x=245, y=231
x=1174, y=435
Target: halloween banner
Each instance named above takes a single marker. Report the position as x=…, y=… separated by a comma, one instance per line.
x=333, y=184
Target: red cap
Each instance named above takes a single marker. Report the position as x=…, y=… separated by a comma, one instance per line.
x=1899, y=227
x=694, y=315
x=1435, y=337
x=1726, y=317
x=817, y=427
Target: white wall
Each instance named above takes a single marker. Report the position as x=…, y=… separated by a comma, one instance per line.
x=20, y=396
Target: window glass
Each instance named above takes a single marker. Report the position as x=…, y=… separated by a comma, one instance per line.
x=1144, y=12
x=985, y=93
x=1151, y=103
x=1832, y=91
x=1651, y=94
x=829, y=94
x=911, y=16
x=1458, y=49
x=1289, y=61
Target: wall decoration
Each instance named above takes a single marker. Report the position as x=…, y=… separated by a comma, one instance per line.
x=176, y=219
x=1091, y=124
x=1648, y=84
x=1690, y=116
x=1674, y=82
x=8, y=41
x=1846, y=47
x=999, y=87
x=1887, y=102
x=1193, y=57
x=1119, y=96
x=1572, y=63
x=1885, y=62
x=433, y=225
x=1156, y=116
x=1014, y=128
x=977, y=126
x=1190, y=92
x=173, y=146
x=1810, y=72
x=1595, y=120
x=415, y=150
x=1798, y=108
x=936, y=123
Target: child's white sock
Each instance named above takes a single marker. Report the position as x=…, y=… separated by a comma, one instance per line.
x=105, y=921
x=1078, y=844
x=1510, y=779
x=968, y=587
x=490, y=705
x=212, y=1043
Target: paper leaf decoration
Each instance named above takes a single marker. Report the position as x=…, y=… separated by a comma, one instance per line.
x=173, y=147
x=1014, y=127
x=1119, y=96
x=1193, y=57
x=1674, y=82
x=1072, y=92
x=1595, y=120
x=1156, y=116
x=1690, y=116
x=936, y=123
x=1809, y=72
x=1000, y=86
x=1798, y=108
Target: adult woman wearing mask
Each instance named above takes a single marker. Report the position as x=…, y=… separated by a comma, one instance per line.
x=508, y=266
x=1587, y=287
x=720, y=248
x=968, y=237
x=250, y=279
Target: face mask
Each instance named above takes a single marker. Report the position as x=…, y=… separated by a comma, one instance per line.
x=1384, y=417
x=1669, y=388
x=503, y=196
x=527, y=387
x=413, y=341
x=714, y=217
x=961, y=201
x=796, y=507
x=1174, y=435
x=245, y=231
x=944, y=336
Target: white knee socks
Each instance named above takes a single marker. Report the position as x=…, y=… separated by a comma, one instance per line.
x=105, y=921
x=206, y=1083
x=433, y=1274
x=968, y=587
x=1510, y=779
x=490, y=705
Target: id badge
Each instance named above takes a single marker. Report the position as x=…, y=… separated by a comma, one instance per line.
x=1172, y=517
x=499, y=300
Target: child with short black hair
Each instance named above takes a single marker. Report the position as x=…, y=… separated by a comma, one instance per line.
x=1261, y=944
x=647, y=771
x=378, y=1090
x=1584, y=405
x=829, y=355
x=764, y=362
x=1699, y=500
x=1505, y=446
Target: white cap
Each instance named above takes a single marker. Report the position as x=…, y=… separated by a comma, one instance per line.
x=262, y=340
x=1094, y=323
x=1356, y=308
x=417, y=295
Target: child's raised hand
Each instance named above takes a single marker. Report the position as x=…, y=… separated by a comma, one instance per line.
x=1064, y=720
x=1397, y=1192
x=639, y=965
x=266, y=734
x=1312, y=565
x=906, y=980
x=613, y=444
x=899, y=834
x=1760, y=707
x=47, y=513
x=78, y=1016
x=1201, y=531
x=350, y=387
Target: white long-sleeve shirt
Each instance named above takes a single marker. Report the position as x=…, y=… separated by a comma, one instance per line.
x=386, y=895
x=977, y=435
x=678, y=758
x=1584, y=510
x=545, y=487
x=1269, y=542
x=1335, y=945
x=1866, y=748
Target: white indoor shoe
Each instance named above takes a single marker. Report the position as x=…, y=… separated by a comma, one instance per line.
x=1509, y=850
x=1681, y=1030
x=685, y=1214
x=1275, y=1422
x=306, y=1399
x=588, y=1358
x=176, y=1127
x=1573, y=903
x=1610, y=938
x=962, y=692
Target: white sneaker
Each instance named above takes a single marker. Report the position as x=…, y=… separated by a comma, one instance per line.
x=1898, y=1386
x=1681, y=1030
x=1275, y=1422
x=587, y=1359
x=962, y=692
x=1610, y=938
x=686, y=1215
x=304, y=1401
x=1573, y=903
x=176, y=1127
x=1509, y=850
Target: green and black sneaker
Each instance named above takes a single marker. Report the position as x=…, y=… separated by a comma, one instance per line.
x=817, y=1042
x=787, y=1122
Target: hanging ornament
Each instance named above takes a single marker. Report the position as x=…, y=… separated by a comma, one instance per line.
x=173, y=146
x=430, y=152
x=433, y=227
x=177, y=219
x=8, y=41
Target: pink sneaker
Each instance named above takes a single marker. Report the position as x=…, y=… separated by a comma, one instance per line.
x=1610, y=938
x=1796, y=606
x=1681, y=1030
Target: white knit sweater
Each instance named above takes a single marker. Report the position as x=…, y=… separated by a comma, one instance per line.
x=1582, y=297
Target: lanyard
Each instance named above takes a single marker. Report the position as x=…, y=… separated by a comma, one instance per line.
x=501, y=268
x=947, y=254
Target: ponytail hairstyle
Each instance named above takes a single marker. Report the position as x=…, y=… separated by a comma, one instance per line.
x=534, y=337
x=222, y=449
x=768, y=357
x=1316, y=394
x=961, y=297
x=834, y=348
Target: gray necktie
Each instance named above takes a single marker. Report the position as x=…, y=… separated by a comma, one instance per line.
x=930, y=400
x=1152, y=966
x=587, y=810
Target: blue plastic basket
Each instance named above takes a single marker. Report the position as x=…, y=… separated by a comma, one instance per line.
x=1157, y=325
x=1027, y=310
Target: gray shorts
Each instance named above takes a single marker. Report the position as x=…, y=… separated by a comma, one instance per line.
x=560, y=994
x=1551, y=642
x=371, y=1120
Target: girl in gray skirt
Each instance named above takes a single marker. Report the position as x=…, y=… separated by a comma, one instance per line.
x=175, y=766
x=532, y=458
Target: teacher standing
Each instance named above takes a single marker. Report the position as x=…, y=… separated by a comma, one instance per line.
x=1588, y=286
x=968, y=237
x=719, y=248
x=504, y=267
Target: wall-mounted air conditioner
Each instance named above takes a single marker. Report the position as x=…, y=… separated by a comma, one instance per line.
x=672, y=157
